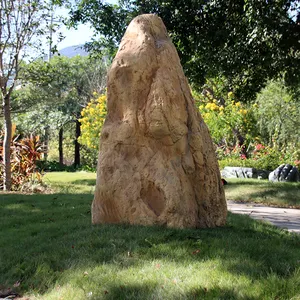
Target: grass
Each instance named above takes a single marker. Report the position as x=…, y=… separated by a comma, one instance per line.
x=282, y=194
x=50, y=249
x=71, y=182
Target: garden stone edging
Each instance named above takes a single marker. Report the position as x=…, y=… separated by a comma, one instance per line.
x=242, y=172
x=285, y=173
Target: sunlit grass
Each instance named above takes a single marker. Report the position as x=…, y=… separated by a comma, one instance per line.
x=283, y=194
x=71, y=182
x=48, y=245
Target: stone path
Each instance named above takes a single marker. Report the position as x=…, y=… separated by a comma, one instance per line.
x=282, y=217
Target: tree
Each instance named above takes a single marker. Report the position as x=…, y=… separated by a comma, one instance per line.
x=62, y=87
x=42, y=119
x=278, y=116
x=248, y=42
x=86, y=77
x=21, y=23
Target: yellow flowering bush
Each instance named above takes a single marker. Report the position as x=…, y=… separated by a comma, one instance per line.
x=227, y=119
x=92, y=119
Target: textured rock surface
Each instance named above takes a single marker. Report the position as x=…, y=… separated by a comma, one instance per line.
x=242, y=172
x=285, y=172
x=157, y=163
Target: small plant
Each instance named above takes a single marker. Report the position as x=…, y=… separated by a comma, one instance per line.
x=25, y=152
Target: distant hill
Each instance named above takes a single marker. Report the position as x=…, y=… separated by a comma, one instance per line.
x=73, y=51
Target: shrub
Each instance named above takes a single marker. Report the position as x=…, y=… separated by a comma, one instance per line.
x=89, y=156
x=230, y=122
x=53, y=166
x=259, y=157
x=93, y=117
x=24, y=154
x=278, y=115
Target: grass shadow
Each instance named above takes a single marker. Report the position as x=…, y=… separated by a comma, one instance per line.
x=89, y=182
x=269, y=196
x=278, y=194
x=152, y=290
x=239, y=182
x=258, y=182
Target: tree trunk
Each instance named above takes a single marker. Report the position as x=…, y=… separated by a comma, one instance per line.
x=7, y=144
x=46, y=142
x=240, y=140
x=77, y=145
x=60, y=145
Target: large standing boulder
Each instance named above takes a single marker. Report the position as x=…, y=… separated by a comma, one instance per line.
x=157, y=163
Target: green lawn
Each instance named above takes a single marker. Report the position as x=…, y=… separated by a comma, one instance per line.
x=282, y=194
x=48, y=245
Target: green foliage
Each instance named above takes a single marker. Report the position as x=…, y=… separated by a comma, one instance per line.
x=247, y=42
x=59, y=88
x=24, y=154
x=259, y=157
x=38, y=118
x=239, y=129
x=53, y=166
x=278, y=116
x=89, y=158
x=66, y=83
x=68, y=144
x=88, y=155
x=63, y=84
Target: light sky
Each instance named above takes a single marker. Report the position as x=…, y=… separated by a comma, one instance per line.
x=75, y=37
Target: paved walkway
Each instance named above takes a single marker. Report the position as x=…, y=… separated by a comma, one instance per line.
x=282, y=217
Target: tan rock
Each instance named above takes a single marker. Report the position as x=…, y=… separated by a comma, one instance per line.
x=157, y=163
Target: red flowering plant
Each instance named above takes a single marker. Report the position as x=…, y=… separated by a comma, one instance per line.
x=256, y=155
x=236, y=151
x=266, y=157
x=259, y=147
x=24, y=154
x=259, y=151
